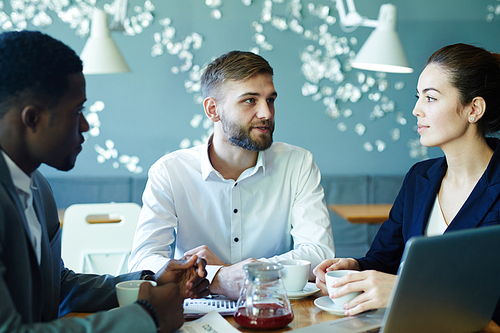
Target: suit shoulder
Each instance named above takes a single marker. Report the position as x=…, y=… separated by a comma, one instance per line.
x=425, y=168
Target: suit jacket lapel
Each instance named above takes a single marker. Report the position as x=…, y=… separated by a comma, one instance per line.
x=483, y=196
x=45, y=263
x=6, y=180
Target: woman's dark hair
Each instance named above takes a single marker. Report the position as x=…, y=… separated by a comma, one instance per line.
x=34, y=66
x=475, y=72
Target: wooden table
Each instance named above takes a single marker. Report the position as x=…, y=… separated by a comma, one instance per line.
x=304, y=311
x=371, y=214
x=305, y=314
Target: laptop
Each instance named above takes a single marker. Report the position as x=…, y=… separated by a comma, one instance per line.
x=447, y=283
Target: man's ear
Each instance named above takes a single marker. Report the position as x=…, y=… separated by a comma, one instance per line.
x=211, y=110
x=31, y=116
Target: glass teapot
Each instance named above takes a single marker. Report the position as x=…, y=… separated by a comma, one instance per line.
x=263, y=303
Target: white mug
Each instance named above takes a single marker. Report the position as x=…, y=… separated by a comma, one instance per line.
x=330, y=277
x=295, y=274
x=128, y=291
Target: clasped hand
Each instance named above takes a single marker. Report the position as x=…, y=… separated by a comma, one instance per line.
x=177, y=280
x=376, y=287
x=188, y=273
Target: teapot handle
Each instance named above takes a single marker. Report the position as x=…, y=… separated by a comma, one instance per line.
x=249, y=300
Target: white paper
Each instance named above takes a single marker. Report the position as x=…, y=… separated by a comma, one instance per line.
x=212, y=322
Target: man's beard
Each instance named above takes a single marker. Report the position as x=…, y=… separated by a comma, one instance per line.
x=240, y=136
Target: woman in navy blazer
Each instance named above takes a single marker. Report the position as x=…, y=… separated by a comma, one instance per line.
x=458, y=105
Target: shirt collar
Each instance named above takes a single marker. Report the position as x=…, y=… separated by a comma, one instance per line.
x=21, y=180
x=260, y=162
x=206, y=166
x=207, y=169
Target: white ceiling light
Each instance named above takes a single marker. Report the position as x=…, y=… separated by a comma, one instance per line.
x=383, y=50
x=100, y=54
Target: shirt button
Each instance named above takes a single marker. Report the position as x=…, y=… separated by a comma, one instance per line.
x=236, y=239
x=235, y=184
x=235, y=211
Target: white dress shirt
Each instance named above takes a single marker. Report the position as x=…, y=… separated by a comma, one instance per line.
x=23, y=184
x=273, y=211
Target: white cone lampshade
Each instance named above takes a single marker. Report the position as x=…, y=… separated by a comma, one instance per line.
x=100, y=54
x=383, y=50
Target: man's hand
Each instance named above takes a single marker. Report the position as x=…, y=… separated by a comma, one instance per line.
x=229, y=280
x=167, y=303
x=188, y=273
x=204, y=252
x=332, y=265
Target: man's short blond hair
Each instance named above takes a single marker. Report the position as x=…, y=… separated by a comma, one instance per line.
x=234, y=65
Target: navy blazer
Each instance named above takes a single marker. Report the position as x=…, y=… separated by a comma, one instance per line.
x=410, y=213
x=32, y=295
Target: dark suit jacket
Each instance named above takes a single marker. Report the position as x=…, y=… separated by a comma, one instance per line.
x=30, y=293
x=410, y=213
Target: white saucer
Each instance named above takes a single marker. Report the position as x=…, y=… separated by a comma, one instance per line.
x=326, y=303
x=308, y=290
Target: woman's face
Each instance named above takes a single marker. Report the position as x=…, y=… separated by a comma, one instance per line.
x=441, y=118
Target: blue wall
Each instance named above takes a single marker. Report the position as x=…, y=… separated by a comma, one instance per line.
x=147, y=112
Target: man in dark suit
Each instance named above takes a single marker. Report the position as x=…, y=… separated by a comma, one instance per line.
x=42, y=92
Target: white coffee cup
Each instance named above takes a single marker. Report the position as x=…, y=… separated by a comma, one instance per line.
x=330, y=277
x=295, y=274
x=128, y=291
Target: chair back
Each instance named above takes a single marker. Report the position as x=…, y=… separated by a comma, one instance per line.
x=97, y=238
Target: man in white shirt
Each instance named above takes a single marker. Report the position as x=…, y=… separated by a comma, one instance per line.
x=240, y=196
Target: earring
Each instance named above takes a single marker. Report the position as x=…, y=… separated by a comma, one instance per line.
x=472, y=119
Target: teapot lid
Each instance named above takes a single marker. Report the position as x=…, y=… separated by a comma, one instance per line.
x=263, y=271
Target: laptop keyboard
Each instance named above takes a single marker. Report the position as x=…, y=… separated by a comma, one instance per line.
x=373, y=330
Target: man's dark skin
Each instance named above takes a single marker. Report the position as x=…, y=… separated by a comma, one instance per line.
x=34, y=130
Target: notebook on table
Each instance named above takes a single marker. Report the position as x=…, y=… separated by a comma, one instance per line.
x=448, y=283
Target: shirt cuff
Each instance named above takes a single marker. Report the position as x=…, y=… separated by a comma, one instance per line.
x=212, y=271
